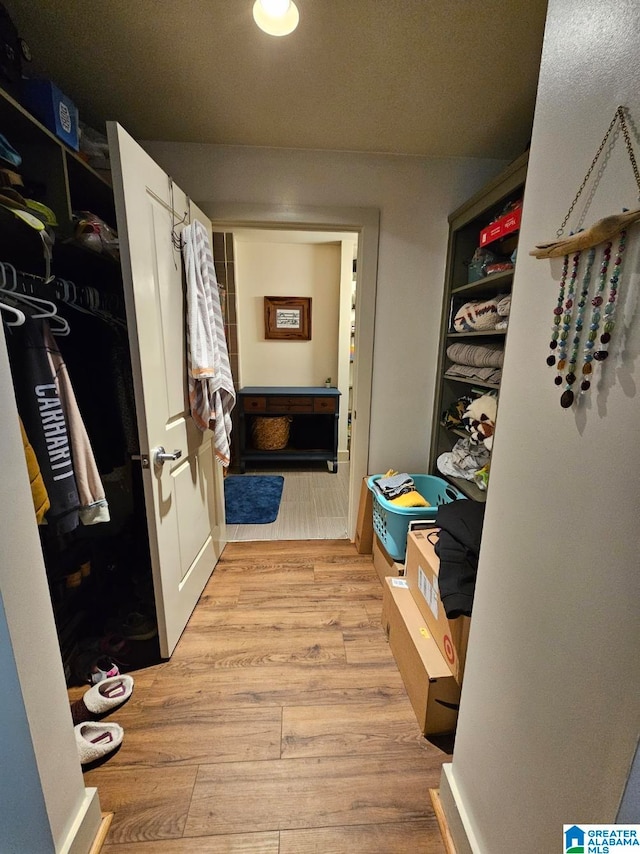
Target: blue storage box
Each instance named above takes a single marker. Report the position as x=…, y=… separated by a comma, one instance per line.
x=391, y=523
x=53, y=108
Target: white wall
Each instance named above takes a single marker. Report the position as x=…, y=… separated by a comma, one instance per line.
x=414, y=196
x=287, y=269
x=551, y=705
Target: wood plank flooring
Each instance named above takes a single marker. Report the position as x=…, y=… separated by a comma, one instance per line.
x=279, y=726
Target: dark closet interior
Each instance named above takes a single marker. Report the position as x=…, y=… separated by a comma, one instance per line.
x=99, y=575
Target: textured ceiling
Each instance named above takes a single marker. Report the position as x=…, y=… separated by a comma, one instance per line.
x=423, y=77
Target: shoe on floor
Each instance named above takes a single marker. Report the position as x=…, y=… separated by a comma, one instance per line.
x=97, y=741
x=102, y=699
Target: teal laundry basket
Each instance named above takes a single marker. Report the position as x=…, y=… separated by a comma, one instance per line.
x=391, y=523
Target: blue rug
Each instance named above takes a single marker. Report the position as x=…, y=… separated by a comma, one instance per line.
x=252, y=499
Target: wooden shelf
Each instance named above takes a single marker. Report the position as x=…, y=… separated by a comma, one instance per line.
x=465, y=225
x=471, y=382
x=467, y=487
x=488, y=333
x=488, y=283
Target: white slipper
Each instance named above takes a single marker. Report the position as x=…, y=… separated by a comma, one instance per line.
x=97, y=741
x=102, y=698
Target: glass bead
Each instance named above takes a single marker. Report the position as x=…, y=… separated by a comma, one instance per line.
x=551, y=360
x=556, y=321
x=557, y=310
x=558, y=380
x=553, y=344
x=605, y=338
x=569, y=303
x=588, y=345
x=564, y=335
x=600, y=355
x=561, y=364
x=585, y=385
x=593, y=325
x=596, y=301
x=588, y=357
x=554, y=335
x=608, y=309
x=571, y=378
x=593, y=335
x=608, y=327
x=567, y=399
x=587, y=368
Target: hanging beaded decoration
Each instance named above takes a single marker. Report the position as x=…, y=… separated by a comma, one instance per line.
x=569, y=315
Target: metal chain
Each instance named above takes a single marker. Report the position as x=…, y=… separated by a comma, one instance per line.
x=619, y=114
x=627, y=139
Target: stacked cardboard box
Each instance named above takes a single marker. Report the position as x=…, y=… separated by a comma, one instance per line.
x=384, y=564
x=421, y=571
x=430, y=649
x=431, y=687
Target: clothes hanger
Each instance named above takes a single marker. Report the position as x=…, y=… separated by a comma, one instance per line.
x=51, y=309
x=19, y=315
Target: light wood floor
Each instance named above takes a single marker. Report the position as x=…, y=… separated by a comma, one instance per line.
x=314, y=506
x=279, y=726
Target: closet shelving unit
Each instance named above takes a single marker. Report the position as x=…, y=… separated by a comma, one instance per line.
x=465, y=225
x=66, y=183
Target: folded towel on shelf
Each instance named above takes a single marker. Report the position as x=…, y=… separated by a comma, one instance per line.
x=478, y=355
x=468, y=372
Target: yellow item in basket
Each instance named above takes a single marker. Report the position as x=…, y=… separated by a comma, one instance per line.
x=410, y=499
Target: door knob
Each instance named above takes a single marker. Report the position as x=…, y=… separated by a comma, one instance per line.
x=160, y=456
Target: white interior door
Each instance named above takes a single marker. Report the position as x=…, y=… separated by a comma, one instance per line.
x=184, y=497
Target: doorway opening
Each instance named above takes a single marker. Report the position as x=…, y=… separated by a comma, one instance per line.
x=362, y=223
x=320, y=267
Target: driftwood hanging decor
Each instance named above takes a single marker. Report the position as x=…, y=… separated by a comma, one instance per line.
x=587, y=301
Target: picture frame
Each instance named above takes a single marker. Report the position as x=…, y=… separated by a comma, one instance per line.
x=287, y=318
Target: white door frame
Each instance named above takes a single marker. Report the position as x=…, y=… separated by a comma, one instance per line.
x=366, y=223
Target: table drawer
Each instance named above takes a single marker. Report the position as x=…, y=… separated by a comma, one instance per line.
x=324, y=404
x=290, y=404
x=254, y=404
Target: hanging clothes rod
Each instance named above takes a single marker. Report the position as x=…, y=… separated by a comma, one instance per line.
x=84, y=297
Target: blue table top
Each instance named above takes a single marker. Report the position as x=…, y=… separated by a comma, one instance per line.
x=316, y=391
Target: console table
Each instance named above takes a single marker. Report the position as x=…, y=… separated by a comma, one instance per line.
x=313, y=432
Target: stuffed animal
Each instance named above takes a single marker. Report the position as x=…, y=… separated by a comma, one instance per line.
x=480, y=419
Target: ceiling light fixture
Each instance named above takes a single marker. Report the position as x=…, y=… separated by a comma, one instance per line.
x=276, y=17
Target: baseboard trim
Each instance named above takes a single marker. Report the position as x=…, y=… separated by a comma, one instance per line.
x=455, y=814
x=101, y=835
x=449, y=847
x=85, y=827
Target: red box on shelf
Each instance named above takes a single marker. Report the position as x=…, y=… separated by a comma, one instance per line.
x=501, y=227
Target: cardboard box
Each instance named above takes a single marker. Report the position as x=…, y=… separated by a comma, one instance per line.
x=54, y=109
x=364, y=525
x=421, y=571
x=384, y=564
x=501, y=227
x=432, y=690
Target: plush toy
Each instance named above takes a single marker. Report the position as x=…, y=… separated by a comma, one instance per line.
x=480, y=419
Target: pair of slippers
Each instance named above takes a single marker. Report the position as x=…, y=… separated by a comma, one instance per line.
x=97, y=741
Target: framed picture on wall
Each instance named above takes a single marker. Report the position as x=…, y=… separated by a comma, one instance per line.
x=287, y=318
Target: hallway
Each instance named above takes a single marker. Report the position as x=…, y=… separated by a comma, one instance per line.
x=280, y=725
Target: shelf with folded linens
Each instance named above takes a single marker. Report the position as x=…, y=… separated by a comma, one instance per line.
x=474, y=328
x=490, y=333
